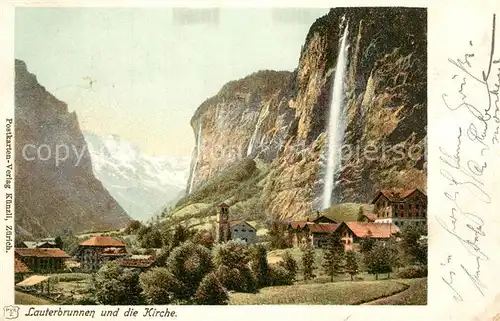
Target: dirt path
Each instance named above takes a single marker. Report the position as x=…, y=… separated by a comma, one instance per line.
x=414, y=294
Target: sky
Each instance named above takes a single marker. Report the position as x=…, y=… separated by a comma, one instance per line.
x=141, y=73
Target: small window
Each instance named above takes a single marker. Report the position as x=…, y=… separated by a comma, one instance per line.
x=236, y=230
x=243, y=230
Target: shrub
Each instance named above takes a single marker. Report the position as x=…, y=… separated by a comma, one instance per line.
x=308, y=261
x=160, y=286
x=231, y=279
x=249, y=284
x=189, y=263
x=231, y=254
x=289, y=263
x=412, y=272
x=259, y=265
x=133, y=227
x=278, y=275
x=117, y=286
x=211, y=291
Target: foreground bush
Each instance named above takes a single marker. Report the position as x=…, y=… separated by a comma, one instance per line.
x=290, y=264
x=278, y=275
x=117, y=286
x=211, y=291
x=412, y=272
x=189, y=263
x=159, y=286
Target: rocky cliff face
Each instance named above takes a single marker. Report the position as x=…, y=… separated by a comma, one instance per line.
x=55, y=194
x=283, y=116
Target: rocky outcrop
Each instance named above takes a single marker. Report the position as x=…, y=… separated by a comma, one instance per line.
x=55, y=194
x=285, y=115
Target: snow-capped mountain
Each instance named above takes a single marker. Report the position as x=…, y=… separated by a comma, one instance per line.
x=141, y=183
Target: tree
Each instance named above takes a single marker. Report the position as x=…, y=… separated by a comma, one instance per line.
x=205, y=238
x=377, y=261
x=278, y=275
x=133, y=227
x=152, y=239
x=231, y=254
x=231, y=279
x=181, y=234
x=308, y=261
x=289, y=263
x=160, y=286
x=351, y=264
x=59, y=242
x=189, y=263
x=414, y=250
x=117, y=286
x=394, y=252
x=278, y=235
x=211, y=291
x=259, y=265
x=333, y=256
x=361, y=214
x=366, y=243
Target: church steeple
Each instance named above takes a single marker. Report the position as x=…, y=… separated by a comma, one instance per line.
x=223, y=224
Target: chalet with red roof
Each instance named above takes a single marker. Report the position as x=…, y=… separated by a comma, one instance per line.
x=352, y=232
x=20, y=270
x=400, y=206
x=315, y=231
x=97, y=250
x=42, y=259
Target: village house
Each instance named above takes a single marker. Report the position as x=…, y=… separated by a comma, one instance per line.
x=21, y=270
x=45, y=243
x=352, y=232
x=137, y=262
x=42, y=259
x=97, y=250
x=400, y=207
x=315, y=231
x=233, y=229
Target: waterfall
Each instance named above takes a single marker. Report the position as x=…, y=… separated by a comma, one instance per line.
x=336, y=123
x=198, y=153
x=256, y=130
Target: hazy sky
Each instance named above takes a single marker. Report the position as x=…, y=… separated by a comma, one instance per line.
x=141, y=73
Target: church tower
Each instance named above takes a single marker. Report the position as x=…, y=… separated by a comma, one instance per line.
x=223, y=227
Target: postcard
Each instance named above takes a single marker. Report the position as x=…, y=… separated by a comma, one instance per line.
x=230, y=160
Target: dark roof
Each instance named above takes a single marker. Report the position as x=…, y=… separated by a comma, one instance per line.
x=322, y=217
x=20, y=267
x=370, y=216
x=136, y=263
x=236, y=222
x=102, y=241
x=396, y=194
x=41, y=252
x=223, y=205
x=322, y=228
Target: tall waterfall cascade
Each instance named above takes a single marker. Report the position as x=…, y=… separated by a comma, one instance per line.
x=336, y=123
x=198, y=153
x=260, y=120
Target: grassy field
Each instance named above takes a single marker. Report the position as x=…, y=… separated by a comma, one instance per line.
x=346, y=211
x=28, y=299
x=416, y=294
x=337, y=293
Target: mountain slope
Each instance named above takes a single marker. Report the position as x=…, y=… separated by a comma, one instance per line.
x=141, y=183
x=54, y=196
x=279, y=121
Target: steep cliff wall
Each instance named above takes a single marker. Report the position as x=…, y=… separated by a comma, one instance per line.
x=386, y=114
x=55, y=196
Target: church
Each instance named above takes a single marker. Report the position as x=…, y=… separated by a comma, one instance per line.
x=236, y=230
